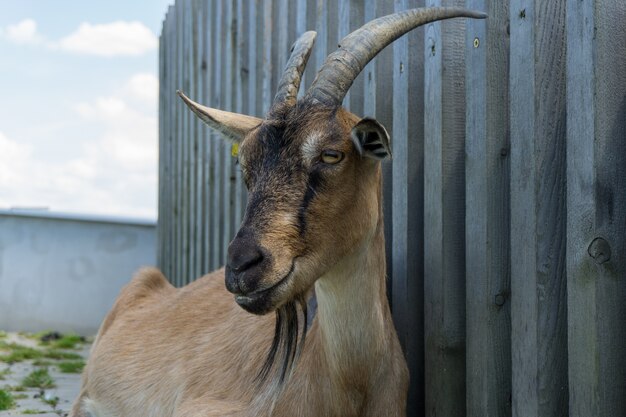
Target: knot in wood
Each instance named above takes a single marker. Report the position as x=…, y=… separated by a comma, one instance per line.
x=600, y=250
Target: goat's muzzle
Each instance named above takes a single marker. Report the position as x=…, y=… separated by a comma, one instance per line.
x=247, y=264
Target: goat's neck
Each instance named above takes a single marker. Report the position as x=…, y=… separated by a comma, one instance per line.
x=353, y=312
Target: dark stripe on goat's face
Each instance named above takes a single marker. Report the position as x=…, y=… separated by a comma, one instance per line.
x=313, y=185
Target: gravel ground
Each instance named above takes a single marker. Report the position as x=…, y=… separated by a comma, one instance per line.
x=32, y=401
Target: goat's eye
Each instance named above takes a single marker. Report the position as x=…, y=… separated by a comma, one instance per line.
x=331, y=157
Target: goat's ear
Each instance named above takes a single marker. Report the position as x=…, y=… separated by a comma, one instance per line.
x=232, y=126
x=371, y=139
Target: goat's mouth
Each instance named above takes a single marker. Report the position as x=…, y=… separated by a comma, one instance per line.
x=261, y=301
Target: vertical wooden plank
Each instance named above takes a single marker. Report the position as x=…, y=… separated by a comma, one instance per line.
x=408, y=204
x=301, y=27
x=241, y=85
x=216, y=142
x=343, y=28
x=369, y=87
x=228, y=195
x=282, y=44
x=179, y=140
x=357, y=19
x=170, y=140
x=331, y=22
x=384, y=114
x=596, y=243
x=189, y=195
x=444, y=212
x=292, y=26
x=488, y=343
x=309, y=9
x=203, y=138
x=186, y=142
x=198, y=151
x=538, y=286
x=161, y=137
x=255, y=56
x=321, y=43
x=267, y=91
x=208, y=155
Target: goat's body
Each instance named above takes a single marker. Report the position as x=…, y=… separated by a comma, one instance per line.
x=200, y=353
x=197, y=340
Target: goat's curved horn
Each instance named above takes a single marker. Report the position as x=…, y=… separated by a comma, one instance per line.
x=359, y=47
x=290, y=82
x=233, y=126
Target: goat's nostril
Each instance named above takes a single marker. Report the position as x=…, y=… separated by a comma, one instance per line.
x=242, y=258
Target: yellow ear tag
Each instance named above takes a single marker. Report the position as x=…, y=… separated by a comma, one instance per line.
x=234, y=150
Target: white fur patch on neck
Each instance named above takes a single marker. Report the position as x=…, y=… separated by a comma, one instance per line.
x=311, y=147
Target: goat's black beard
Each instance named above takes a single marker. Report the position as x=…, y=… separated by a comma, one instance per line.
x=286, y=347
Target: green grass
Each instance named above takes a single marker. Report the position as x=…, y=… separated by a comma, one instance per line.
x=3, y=334
x=18, y=353
x=42, y=362
x=39, y=379
x=71, y=367
x=29, y=411
x=4, y=373
x=6, y=400
x=21, y=396
x=59, y=354
x=68, y=341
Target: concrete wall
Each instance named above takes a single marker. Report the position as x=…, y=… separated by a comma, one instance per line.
x=63, y=272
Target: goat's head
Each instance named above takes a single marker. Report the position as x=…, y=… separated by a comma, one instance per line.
x=312, y=169
x=313, y=176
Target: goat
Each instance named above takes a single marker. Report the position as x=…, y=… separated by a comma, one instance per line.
x=313, y=220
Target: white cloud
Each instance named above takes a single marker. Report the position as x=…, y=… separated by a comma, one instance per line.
x=143, y=87
x=14, y=159
x=23, y=32
x=119, y=38
x=97, y=181
x=110, y=39
x=113, y=170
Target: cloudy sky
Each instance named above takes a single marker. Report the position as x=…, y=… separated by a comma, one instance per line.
x=78, y=105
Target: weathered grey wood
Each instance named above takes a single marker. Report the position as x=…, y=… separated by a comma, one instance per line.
x=170, y=141
x=178, y=147
x=444, y=214
x=267, y=93
x=254, y=57
x=596, y=202
x=242, y=42
x=538, y=284
x=356, y=16
x=204, y=86
x=208, y=164
x=187, y=133
x=369, y=72
x=162, y=167
x=216, y=223
x=313, y=64
x=488, y=337
x=343, y=28
x=318, y=56
x=227, y=196
x=408, y=204
x=301, y=27
x=384, y=114
x=198, y=147
x=450, y=252
x=283, y=42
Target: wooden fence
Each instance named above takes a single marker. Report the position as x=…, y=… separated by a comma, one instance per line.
x=505, y=201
